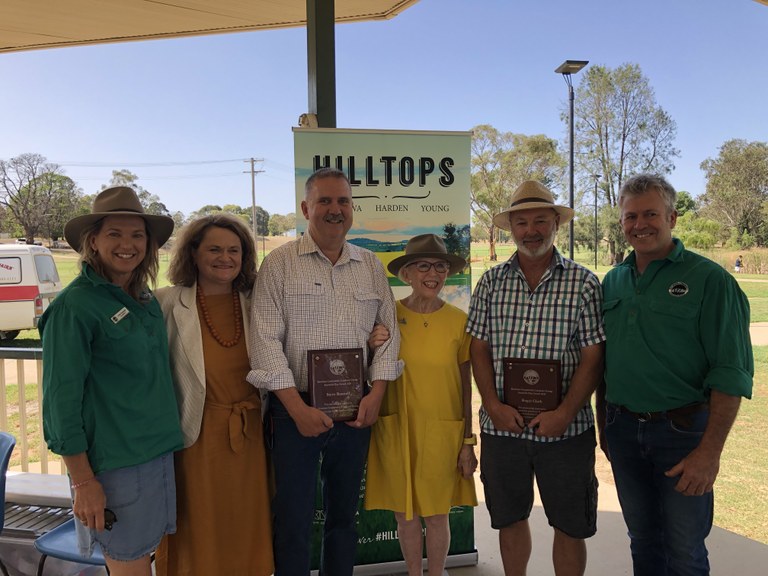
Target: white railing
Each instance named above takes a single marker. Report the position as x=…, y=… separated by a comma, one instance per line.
x=22, y=368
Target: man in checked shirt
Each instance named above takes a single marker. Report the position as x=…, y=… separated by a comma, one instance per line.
x=319, y=292
x=538, y=305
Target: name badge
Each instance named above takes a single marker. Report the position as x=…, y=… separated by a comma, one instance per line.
x=119, y=315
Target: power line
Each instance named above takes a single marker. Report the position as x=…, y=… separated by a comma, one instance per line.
x=82, y=164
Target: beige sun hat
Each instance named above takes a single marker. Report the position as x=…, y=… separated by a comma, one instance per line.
x=529, y=195
x=118, y=201
x=427, y=246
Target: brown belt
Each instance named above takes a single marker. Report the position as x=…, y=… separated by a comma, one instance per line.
x=683, y=411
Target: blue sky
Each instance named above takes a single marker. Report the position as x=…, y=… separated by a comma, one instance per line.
x=440, y=65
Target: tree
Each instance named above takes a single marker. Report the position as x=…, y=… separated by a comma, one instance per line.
x=620, y=130
x=33, y=190
x=150, y=202
x=178, y=220
x=64, y=205
x=262, y=221
x=698, y=232
x=685, y=203
x=457, y=240
x=262, y=216
x=280, y=224
x=501, y=161
x=206, y=210
x=737, y=186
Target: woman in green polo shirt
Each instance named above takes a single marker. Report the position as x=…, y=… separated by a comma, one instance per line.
x=109, y=408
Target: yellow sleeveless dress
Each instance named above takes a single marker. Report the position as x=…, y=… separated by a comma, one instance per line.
x=416, y=441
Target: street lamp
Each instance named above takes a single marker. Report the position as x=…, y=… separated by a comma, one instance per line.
x=566, y=69
x=596, y=177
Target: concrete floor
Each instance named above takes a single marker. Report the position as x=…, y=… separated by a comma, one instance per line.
x=608, y=550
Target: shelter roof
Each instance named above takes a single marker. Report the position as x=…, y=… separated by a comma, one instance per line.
x=36, y=24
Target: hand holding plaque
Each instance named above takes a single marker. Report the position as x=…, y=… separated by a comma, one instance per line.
x=532, y=386
x=335, y=379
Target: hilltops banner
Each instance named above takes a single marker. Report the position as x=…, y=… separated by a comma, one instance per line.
x=404, y=183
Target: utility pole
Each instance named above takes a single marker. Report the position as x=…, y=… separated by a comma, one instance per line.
x=253, y=172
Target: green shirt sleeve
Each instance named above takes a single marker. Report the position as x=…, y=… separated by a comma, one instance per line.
x=724, y=327
x=66, y=342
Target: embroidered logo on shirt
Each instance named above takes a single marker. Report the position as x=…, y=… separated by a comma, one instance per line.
x=402, y=320
x=122, y=313
x=678, y=289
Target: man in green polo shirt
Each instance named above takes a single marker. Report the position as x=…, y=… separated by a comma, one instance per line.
x=678, y=361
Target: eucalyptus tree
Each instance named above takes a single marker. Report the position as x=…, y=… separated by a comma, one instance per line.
x=37, y=195
x=620, y=130
x=737, y=187
x=501, y=161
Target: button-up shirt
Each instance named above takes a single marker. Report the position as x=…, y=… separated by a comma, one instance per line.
x=677, y=331
x=107, y=387
x=303, y=302
x=554, y=321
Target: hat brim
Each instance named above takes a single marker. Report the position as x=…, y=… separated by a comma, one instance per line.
x=501, y=220
x=457, y=262
x=160, y=227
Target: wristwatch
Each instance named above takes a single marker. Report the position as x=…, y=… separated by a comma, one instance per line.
x=471, y=440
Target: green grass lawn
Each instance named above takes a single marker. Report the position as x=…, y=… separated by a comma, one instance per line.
x=741, y=490
x=756, y=289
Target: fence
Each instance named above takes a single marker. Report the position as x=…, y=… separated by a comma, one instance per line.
x=21, y=368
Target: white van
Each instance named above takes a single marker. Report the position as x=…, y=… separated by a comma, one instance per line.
x=29, y=281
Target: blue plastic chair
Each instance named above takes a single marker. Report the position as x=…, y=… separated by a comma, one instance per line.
x=61, y=543
x=7, y=442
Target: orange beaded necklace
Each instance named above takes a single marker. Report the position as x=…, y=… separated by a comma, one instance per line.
x=209, y=323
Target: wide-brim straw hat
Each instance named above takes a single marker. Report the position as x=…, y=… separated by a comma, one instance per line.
x=427, y=246
x=529, y=195
x=117, y=201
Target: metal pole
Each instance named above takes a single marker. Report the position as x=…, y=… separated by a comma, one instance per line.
x=570, y=182
x=596, y=178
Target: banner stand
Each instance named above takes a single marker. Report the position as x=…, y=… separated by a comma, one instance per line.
x=398, y=567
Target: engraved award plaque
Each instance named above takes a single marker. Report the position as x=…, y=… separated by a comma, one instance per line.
x=335, y=379
x=532, y=386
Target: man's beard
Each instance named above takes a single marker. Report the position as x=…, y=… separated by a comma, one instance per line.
x=547, y=243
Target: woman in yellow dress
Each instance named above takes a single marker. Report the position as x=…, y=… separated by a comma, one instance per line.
x=421, y=458
x=223, y=518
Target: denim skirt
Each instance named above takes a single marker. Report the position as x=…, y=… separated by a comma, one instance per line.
x=143, y=498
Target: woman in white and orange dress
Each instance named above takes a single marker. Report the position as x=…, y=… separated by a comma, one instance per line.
x=223, y=518
x=421, y=459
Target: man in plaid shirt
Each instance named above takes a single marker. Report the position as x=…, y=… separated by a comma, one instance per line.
x=538, y=305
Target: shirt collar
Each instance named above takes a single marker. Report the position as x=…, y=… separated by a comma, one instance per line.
x=558, y=261
x=91, y=276
x=349, y=251
x=675, y=255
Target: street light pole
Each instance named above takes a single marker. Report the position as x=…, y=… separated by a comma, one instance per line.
x=566, y=69
x=596, y=177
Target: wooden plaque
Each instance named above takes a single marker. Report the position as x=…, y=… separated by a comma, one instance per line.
x=532, y=386
x=335, y=378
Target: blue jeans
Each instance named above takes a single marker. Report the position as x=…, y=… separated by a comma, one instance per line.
x=295, y=460
x=666, y=529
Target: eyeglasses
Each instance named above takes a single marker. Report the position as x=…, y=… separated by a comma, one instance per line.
x=424, y=266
